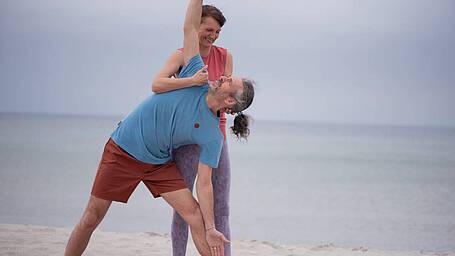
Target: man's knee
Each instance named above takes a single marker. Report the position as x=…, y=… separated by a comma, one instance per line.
x=192, y=214
x=90, y=220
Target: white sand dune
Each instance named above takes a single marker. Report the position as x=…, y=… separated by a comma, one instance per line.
x=37, y=240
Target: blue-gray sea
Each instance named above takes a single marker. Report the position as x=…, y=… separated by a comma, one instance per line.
x=350, y=185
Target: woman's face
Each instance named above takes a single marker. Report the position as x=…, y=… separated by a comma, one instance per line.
x=208, y=31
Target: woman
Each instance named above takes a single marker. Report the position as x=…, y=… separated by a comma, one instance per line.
x=219, y=62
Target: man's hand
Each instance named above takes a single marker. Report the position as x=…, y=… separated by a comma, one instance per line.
x=216, y=241
x=201, y=77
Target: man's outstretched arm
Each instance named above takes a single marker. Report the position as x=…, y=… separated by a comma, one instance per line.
x=190, y=30
x=204, y=190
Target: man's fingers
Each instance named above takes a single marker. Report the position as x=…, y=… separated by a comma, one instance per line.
x=225, y=240
x=221, y=250
x=216, y=250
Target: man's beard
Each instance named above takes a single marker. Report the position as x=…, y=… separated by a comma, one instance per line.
x=215, y=85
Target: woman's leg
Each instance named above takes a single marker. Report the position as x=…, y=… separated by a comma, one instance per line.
x=221, y=180
x=187, y=159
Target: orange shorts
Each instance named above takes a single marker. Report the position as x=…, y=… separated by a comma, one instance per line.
x=119, y=174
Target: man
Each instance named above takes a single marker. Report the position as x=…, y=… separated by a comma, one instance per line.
x=140, y=149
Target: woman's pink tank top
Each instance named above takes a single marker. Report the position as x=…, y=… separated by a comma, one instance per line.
x=216, y=62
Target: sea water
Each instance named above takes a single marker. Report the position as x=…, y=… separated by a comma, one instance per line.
x=351, y=185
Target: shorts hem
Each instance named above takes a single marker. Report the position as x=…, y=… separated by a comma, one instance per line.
x=110, y=199
x=168, y=191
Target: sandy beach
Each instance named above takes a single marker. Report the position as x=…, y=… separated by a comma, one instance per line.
x=40, y=240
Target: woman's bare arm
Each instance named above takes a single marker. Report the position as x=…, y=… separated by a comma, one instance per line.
x=228, y=69
x=164, y=80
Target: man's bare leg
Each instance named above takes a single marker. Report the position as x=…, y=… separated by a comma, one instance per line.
x=93, y=215
x=184, y=204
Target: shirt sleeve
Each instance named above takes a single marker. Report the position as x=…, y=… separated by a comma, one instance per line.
x=193, y=66
x=210, y=153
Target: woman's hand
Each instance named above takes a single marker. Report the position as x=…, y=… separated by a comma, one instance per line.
x=201, y=77
x=216, y=240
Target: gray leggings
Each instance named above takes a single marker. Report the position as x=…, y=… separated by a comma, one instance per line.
x=187, y=159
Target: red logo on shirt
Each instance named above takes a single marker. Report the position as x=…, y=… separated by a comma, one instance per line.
x=196, y=125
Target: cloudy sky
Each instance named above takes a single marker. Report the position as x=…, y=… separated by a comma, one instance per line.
x=343, y=61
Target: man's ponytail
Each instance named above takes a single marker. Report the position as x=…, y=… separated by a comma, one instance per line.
x=241, y=126
x=241, y=121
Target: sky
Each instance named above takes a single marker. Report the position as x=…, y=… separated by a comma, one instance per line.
x=386, y=62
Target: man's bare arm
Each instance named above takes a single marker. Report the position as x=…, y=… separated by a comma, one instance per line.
x=190, y=30
x=204, y=190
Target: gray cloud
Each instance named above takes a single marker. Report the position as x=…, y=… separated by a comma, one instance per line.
x=386, y=62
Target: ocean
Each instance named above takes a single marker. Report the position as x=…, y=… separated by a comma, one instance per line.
x=295, y=183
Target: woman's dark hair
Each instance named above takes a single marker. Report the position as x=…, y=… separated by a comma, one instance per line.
x=212, y=11
x=244, y=100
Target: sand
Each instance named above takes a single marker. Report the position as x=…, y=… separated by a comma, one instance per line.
x=39, y=240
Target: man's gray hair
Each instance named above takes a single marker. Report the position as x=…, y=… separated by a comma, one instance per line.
x=245, y=98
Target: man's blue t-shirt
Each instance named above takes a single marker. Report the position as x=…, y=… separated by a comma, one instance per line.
x=169, y=120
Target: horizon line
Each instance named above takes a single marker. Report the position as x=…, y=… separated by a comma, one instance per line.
x=260, y=120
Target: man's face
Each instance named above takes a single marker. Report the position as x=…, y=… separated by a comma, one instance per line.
x=226, y=87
